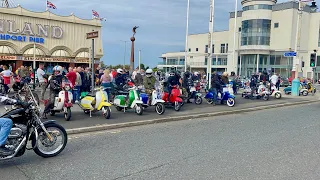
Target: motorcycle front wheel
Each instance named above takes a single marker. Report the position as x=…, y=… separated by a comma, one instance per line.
x=106, y=112
x=67, y=115
x=46, y=148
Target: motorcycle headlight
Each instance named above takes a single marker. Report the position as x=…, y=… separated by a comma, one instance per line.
x=67, y=88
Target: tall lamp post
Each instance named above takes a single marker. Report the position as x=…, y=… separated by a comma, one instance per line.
x=234, y=59
x=296, y=81
x=210, y=38
x=187, y=32
x=125, y=52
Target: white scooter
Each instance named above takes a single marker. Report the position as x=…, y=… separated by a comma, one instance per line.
x=63, y=102
x=275, y=91
x=155, y=101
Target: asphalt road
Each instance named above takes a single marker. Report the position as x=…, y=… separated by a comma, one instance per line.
x=272, y=144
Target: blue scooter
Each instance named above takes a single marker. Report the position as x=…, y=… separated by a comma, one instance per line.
x=225, y=98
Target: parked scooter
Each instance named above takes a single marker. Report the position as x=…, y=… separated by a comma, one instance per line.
x=195, y=93
x=129, y=100
x=260, y=93
x=98, y=102
x=155, y=101
x=223, y=97
x=63, y=102
x=174, y=100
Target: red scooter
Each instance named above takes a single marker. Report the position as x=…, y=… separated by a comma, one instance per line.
x=174, y=100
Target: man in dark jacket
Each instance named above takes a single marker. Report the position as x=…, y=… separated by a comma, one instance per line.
x=253, y=84
x=215, y=86
x=120, y=79
x=173, y=80
x=55, y=87
x=187, y=83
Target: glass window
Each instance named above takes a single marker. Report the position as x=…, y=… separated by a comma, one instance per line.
x=319, y=37
x=206, y=49
x=212, y=48
x=189, y=49
x=214, y=61
x=227, y=48
x=222, y=48
x=257, y=6
x=272, y=59
x=255, y=32
x=277, y=60
x=276, y=25
x=205, y=61
x=219, y=61
x=197, y=49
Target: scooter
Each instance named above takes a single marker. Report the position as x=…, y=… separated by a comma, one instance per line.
x=175, y=100
x=261, y=92
x=129, y=100
x=275, y=91
x=98, y=102
x=155, y=101
x=195, y=94
x=63, y=102
x=223, y=97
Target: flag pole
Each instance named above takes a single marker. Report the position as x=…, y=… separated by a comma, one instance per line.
x=46, y=5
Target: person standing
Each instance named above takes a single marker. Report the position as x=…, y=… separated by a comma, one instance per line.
x=215, y=86
x=274, y=79
x=6, y=74
x=77, y=87
x=106, y=81
x=42, y=80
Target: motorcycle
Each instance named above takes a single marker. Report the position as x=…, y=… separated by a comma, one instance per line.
x=155, y=101
x=261, y=92
x=223, y=97
x=128, y=100
x=63, y=102
x=92, y=103
x=174, y=100
x=28, y=127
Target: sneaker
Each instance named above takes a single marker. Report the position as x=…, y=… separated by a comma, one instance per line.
x=76, y=102
x=5, y=152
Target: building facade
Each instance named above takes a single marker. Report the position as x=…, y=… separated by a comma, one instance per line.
x=265, y=31
x=52, y=39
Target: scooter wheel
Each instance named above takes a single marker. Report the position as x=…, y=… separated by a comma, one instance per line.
x=160, y=109
x=198, y=100
x=231, y=102
x=67, y=115
x=277, y=95
x=265, y=97
x=139, y=109
x=52, y=113
x=106, y=112
x=177, y=106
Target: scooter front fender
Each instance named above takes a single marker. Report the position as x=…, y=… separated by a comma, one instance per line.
x=102, y=104
x=135, y=102
x=154, y=102
x=178, y=99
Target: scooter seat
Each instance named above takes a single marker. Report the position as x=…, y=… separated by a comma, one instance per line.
x=123, y=92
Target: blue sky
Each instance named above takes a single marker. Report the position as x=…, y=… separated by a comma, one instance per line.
x=162, y=23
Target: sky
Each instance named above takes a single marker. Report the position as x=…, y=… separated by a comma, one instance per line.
x=162, y=23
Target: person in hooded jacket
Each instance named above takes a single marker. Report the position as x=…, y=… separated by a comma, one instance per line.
x=253, y=84
x=187, y=83
x=138, y=80
x=215, y=86
x=173, y=80
x=55, y=86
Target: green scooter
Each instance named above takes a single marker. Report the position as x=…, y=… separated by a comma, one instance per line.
x=129, y=100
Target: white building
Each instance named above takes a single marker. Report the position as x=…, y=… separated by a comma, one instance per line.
x=265, y=31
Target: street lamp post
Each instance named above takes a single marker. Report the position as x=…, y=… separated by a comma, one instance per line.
x=125, y=51
x=209, y=61
x=187, y=32
x=296, y=60
x=235, y=60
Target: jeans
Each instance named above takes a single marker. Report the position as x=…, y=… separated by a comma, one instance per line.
x=214, y=94
x=5, y=127
x=76, y=93
x=108, y=90
x=6, y=88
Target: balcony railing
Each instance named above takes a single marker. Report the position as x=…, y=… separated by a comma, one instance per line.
x=181, y=63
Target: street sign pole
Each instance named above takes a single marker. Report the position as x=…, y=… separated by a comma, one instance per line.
x=92, y=35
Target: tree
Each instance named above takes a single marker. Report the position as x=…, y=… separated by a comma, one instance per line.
x=155, y=69
x=142, y=66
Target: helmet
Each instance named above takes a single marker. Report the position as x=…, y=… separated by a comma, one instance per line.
x=196, y=73
x=119, y=71
x=58, y=68
x=149, y=72
x=172, y=73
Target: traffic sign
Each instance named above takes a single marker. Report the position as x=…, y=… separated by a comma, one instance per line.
x=290, y=54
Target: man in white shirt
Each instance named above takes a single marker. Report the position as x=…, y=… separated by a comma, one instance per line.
x=274, y=78
x=42, y=80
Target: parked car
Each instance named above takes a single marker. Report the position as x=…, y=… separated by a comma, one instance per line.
x=284, y=82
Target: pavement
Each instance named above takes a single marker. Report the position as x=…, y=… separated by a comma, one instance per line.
x=271, y=144
x=82, y=121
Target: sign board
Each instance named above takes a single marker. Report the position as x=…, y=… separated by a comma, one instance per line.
x=290, y=54
x=81, y=60
x=8, y=57
x=47, y=59
x=92, y=35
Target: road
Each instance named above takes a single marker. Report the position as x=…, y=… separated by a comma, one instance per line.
x=272, y=144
